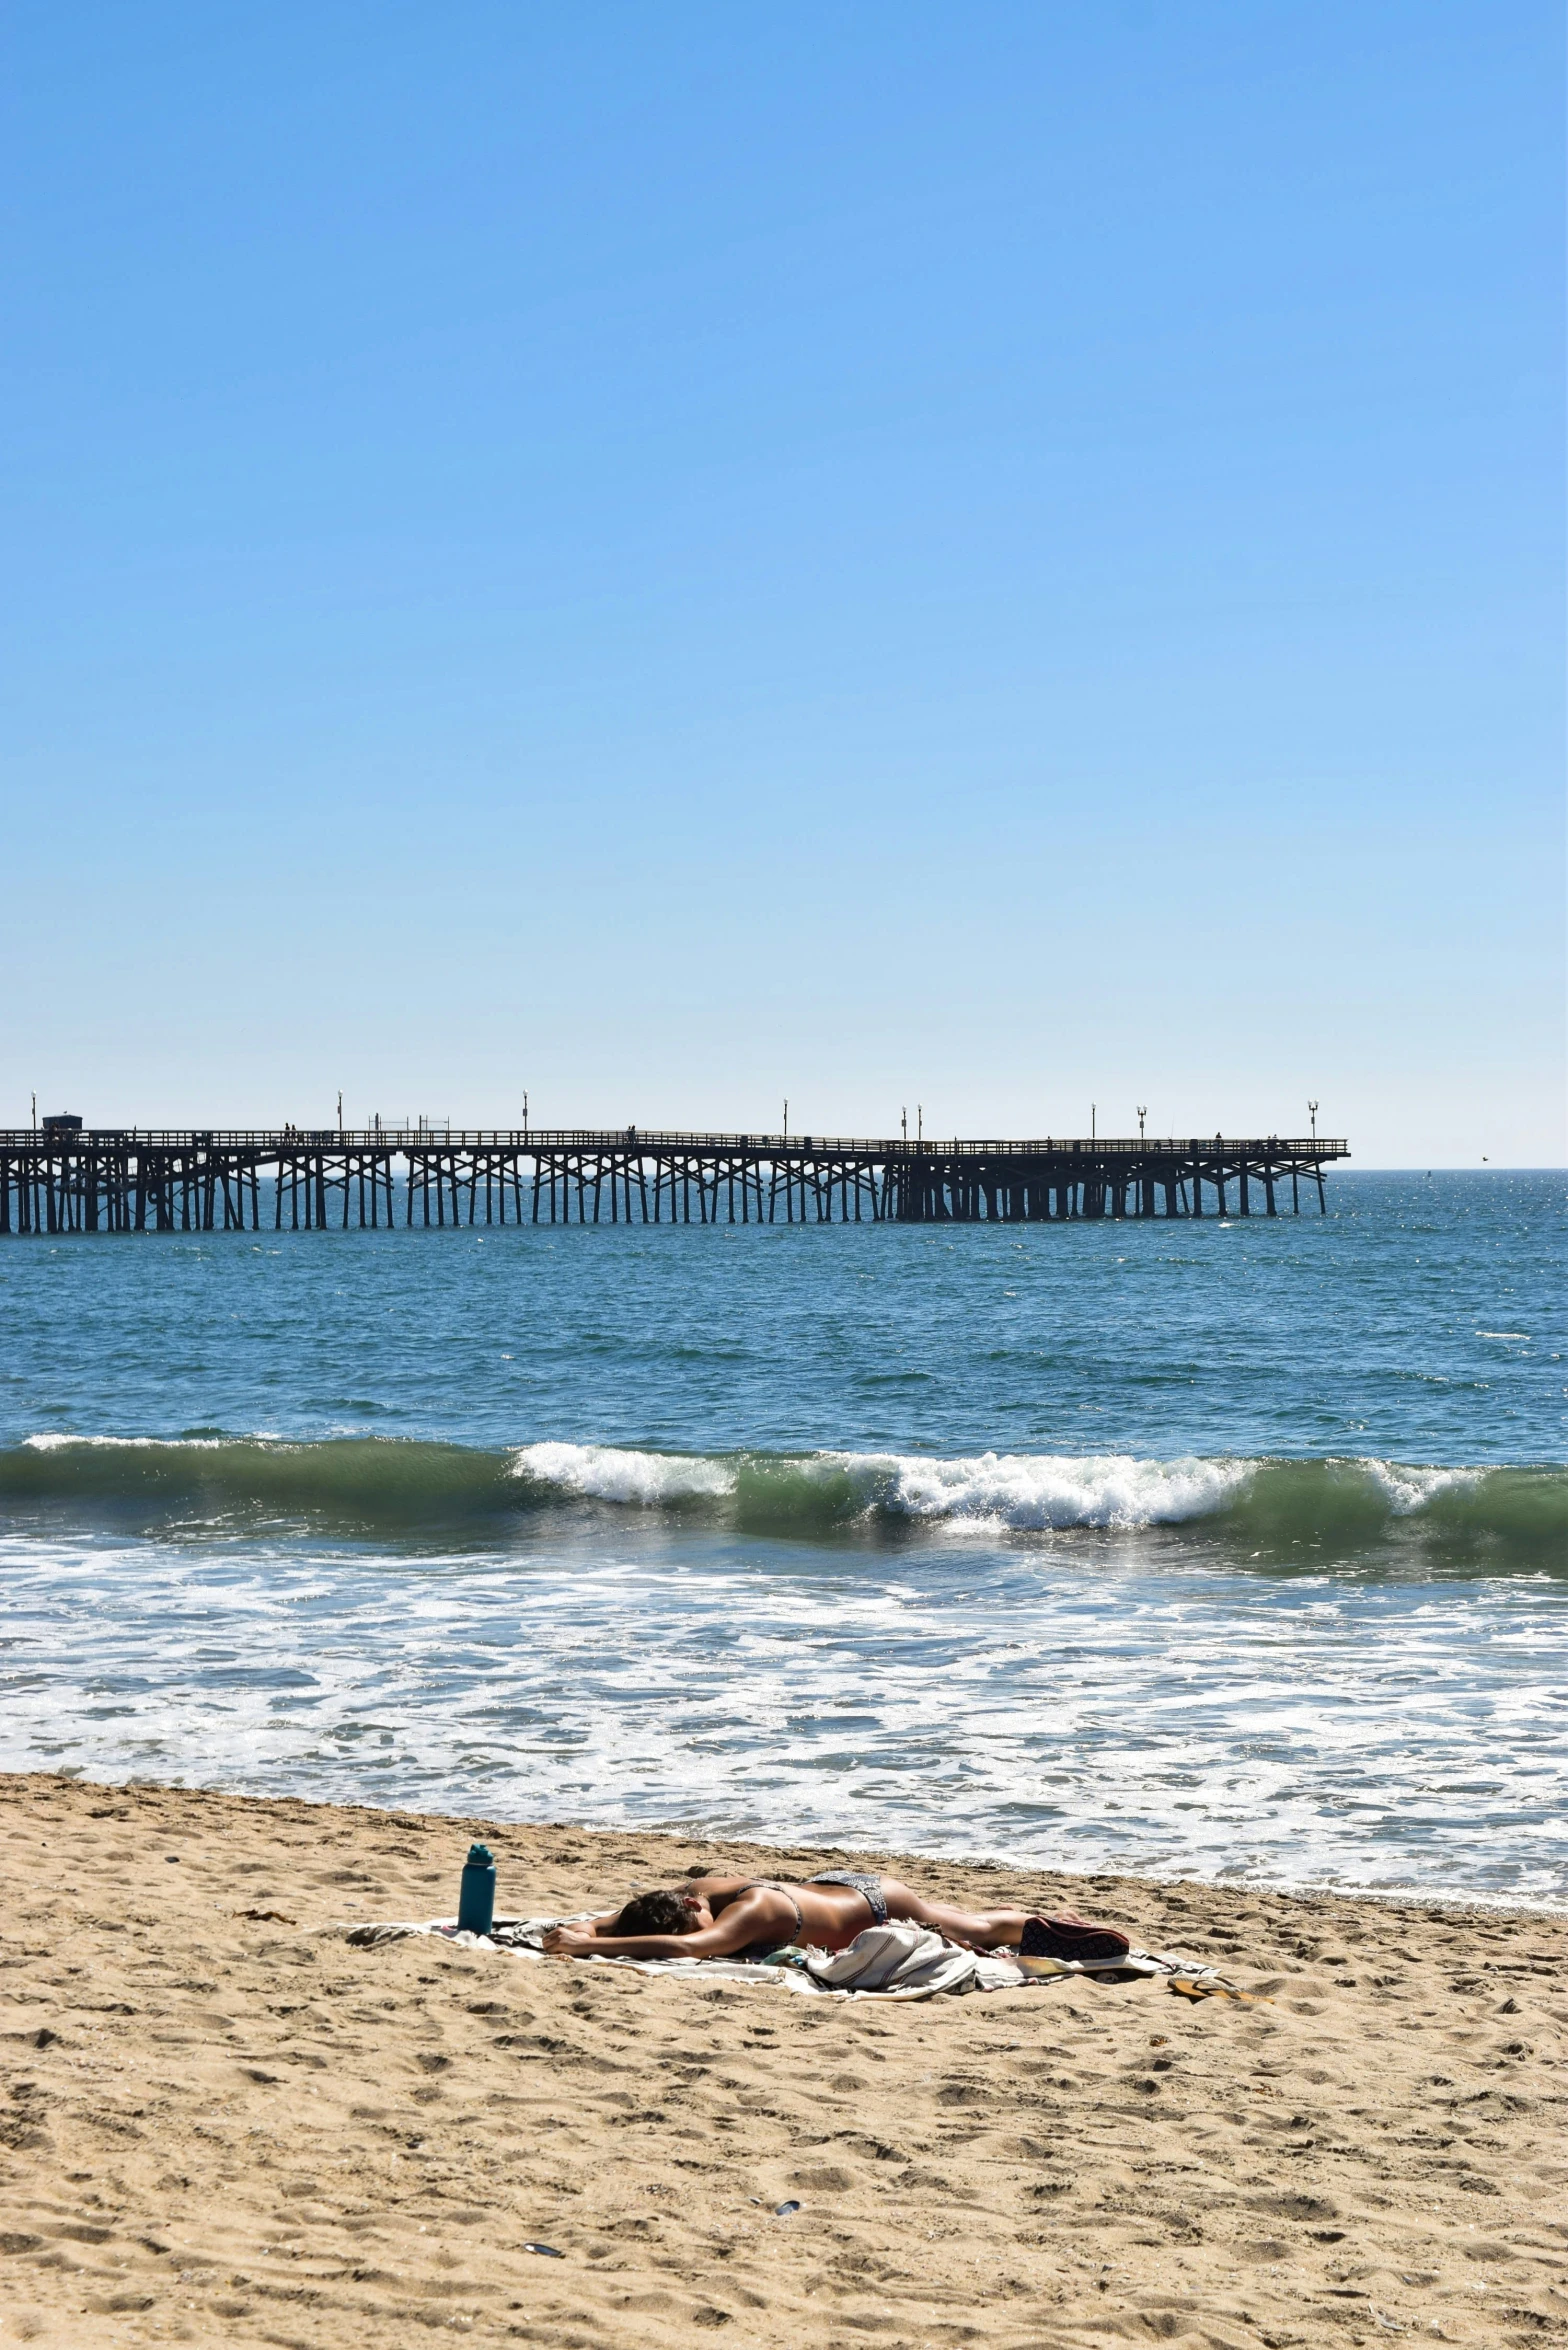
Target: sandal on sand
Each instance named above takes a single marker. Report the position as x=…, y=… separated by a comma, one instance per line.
x=1186, y=1988
x=1074, y=1940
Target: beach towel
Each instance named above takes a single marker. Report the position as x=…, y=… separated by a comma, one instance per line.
x=906, y=1962
x=884, y=1962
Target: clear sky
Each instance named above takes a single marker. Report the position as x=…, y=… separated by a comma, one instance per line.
x=998, y=557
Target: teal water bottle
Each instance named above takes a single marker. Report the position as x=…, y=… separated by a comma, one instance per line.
x=476, y=1899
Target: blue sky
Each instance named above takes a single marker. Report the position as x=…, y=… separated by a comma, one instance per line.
x=1001, y=557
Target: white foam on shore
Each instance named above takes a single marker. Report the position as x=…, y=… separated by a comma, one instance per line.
x=1392, y=1736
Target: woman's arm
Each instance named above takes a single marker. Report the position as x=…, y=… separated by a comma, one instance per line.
x=574, y=1942
x=744, y=1921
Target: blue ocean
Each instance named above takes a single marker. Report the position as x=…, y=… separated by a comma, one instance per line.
x=1229, y=1549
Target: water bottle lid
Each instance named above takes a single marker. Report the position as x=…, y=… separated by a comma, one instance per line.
x=479, y=1857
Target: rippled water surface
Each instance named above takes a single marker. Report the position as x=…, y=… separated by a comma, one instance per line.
x=1227, y=1549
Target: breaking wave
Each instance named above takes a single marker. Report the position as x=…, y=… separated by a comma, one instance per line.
x=1024, y=1493
x=1310, y=1511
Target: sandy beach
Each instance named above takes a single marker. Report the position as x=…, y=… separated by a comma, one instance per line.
x=220, y=2122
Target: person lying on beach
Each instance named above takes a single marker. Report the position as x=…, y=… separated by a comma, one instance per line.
x=751, y=1917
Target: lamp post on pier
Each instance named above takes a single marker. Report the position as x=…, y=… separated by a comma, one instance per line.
x=1142, y=1114
x=1312, y=1109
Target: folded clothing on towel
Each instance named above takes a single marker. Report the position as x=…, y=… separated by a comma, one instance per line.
x=908, y=1962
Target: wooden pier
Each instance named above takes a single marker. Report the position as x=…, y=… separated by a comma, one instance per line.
x=65, y=1178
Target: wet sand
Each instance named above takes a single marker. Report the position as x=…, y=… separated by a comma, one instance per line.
x=223, y=2125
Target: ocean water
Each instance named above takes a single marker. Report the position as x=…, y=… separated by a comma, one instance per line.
x=1235, y=1549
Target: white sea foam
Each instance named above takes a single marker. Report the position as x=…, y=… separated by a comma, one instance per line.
x=603, y=1472
x=1407, y=1490
x=1050, y=1490
x=63, y=1440
x=1359, y=1734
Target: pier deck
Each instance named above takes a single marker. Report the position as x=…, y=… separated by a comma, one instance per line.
x=62, y=1178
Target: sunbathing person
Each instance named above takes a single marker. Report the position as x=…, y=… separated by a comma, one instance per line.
x=751, y=1917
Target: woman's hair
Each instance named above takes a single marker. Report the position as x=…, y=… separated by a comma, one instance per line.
x=662, y=1912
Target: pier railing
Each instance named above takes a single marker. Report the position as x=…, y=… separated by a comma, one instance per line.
x=271, y=1139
